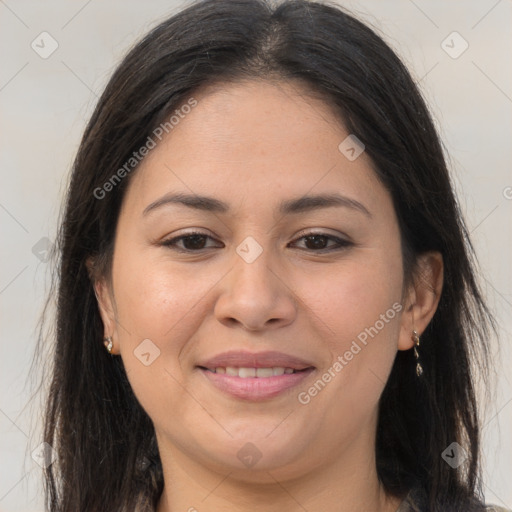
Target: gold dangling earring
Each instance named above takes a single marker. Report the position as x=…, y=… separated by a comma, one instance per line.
x=109, y=344
x=415, y=337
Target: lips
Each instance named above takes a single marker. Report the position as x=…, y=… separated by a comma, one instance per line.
x=267, y=359
x=255, y=376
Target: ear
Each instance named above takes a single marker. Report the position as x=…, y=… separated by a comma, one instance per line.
x=422, y=297
x=106, y=307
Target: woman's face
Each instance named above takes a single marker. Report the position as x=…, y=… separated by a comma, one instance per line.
x=264, y=342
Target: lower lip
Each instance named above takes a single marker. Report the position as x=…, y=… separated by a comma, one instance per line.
x=256, y=388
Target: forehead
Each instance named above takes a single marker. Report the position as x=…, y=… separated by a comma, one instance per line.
x=254, y=140
x=248, y=119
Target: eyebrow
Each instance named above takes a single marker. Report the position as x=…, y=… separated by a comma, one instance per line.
x=290, y=206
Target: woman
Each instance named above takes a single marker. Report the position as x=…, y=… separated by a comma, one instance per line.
x=261, y=230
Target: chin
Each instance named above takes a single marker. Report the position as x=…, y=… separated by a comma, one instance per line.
x=259, y=461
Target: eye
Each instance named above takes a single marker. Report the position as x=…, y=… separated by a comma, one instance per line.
x=318, y=242
x=192, y=242
x=314, y=241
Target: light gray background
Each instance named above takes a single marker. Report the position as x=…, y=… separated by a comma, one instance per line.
x=44, y=104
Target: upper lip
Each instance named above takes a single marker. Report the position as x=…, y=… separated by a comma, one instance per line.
x=244, y=359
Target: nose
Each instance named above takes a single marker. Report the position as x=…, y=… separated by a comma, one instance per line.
x=256, y=296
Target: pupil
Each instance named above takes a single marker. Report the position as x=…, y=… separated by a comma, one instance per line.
x=196, y=241
x=315, y=239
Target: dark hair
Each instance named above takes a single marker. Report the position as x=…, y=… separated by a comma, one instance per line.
x=107, y=453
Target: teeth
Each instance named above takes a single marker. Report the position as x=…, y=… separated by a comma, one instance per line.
x=264, y=372
x=245, y=373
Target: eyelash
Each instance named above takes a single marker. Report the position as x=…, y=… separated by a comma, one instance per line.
x=342, y=244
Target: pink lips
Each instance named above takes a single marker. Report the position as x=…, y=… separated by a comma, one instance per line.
x=242, y=359
x=255, y=388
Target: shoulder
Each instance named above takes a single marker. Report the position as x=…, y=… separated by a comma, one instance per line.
x=495, y=508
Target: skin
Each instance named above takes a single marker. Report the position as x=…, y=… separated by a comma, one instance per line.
x=252, y=145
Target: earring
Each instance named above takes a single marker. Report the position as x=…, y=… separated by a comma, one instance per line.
x=108, y=344
x=415, y=337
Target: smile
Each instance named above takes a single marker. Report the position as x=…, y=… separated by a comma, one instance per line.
x=255, y=376
x=255, y=384
x=260, y=373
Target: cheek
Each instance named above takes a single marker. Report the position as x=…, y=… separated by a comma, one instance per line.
x=358, y=309
x=155, y=298
x=352, y=297
x=160, y=302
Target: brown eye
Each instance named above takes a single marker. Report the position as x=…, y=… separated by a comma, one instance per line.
x=191, y=242
x=318, y=242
